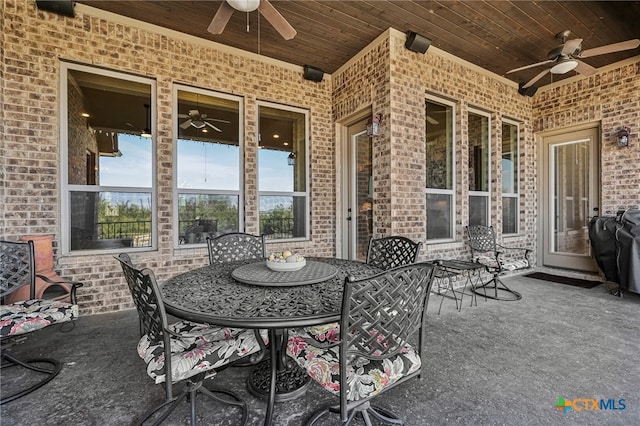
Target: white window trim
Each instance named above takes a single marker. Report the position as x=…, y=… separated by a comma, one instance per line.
x=176, y=190
x=485, y=194
x=516, y=194
x=452, y=191
x=65, y=201
x=307, y=167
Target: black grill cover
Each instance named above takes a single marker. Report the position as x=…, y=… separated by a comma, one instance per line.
x=628, y=240
x=602, y=233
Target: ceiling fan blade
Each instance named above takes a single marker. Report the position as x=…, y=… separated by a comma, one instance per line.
x=536, y=78
x=530, y=66
x=610, y=48
x=185, y=124
x=585, y=69
x=183, y=116
x=219, y=120
x=432, y=120
x=571, y=47
x=212, y=126
x=276, y=20
x=221, y=18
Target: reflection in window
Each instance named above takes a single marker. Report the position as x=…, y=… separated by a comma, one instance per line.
x=282, y=172
x=479, y=170
x=510, y=167
x=207, y=164
x=109, y=155
x=440, y=170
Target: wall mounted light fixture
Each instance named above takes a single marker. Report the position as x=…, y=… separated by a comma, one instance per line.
x=291, y=159
x=623, y=136
x=373, y=125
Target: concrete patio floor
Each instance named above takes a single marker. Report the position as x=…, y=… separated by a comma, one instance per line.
x=498, y=363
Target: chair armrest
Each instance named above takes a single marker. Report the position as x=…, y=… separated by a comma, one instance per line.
x=74, y=285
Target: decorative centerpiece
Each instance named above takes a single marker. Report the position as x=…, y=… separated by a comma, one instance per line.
x=285, y=261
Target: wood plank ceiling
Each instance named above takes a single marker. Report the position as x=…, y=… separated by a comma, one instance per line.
x=495, y=35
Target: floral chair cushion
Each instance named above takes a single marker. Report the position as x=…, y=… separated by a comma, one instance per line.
x=507, y=266
x=196, y=349
x=365, y=378
x=30, y=315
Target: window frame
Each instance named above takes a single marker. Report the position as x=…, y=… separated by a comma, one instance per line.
x=438, y=191
x=484, y=194
x=67, y=189
x=176, y=191
x=306, y=193
x=515, y=195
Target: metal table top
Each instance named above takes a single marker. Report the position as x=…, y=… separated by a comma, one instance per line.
x=210, y=294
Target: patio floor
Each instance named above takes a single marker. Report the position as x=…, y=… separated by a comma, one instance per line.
x=500, y=363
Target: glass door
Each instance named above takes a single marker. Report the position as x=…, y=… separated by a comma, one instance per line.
x=359, y=193
x=570, y=162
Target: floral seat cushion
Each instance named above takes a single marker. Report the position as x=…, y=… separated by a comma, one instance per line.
x=365, y=378
x=30, y=315
x=507, y=266
x=197, y=348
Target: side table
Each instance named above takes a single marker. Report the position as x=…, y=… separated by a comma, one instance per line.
x=448, y=268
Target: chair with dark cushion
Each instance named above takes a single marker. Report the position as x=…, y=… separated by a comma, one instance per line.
x=196, y=350
x=372, y=349
x=497, y=260
x=390, y=252
x=235, y=246
x=17, y=269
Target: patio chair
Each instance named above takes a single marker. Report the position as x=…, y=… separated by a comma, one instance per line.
x=235, y=246
x=196, y=350
x=17, y=269
x=370, y=351
x=497, y=260
x=390, y=252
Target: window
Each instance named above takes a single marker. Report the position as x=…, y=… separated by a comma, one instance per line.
x=440, y=170
x=108, y=159
x=282, y=172
x=479, y=167
x=208, y=164
x=510, y=167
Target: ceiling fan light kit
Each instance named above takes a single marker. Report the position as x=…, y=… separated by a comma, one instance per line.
x=564, y=67
x=244, y=5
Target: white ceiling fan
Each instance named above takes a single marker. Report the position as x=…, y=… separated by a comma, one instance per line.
x=567, y=57
x=222, y=16
x=195, y=119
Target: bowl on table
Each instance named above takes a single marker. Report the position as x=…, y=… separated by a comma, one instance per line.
x=285, y=262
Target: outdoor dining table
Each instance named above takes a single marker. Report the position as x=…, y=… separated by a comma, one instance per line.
x=246, y=294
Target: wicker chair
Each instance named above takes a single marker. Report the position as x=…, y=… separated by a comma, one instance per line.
x=235, y=246
x=196, y=350
x=17, y=269
x=390, y=252
x=369, y=352
x=497, y=259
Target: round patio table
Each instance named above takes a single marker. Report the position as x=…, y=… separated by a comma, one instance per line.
x=210, y=294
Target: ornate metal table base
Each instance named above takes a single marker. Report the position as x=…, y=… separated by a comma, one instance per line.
x=291, y=381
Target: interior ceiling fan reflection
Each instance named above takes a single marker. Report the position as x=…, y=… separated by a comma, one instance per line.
x=195, y=119
x=567, y=57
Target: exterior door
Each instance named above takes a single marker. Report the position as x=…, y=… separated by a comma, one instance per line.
x=358, y=192
x=570, y=167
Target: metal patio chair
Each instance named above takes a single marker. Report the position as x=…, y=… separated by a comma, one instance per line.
x=390, y=252
x=372, y=350
x=235, y=246
x=185, y=351
x=497, y=260
x=17, y=269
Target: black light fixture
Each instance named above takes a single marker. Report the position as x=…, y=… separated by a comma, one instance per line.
x=146, y=133
x=313, y=73
x=416, y=42
x=291, y=159
x=623, y=136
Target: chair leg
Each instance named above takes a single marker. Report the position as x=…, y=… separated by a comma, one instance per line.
x=366, y=411
x=9, y=360
x=505, y=292
x=193, y=388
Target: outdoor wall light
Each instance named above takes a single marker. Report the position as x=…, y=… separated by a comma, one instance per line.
x=291, y=159
x=623, y=136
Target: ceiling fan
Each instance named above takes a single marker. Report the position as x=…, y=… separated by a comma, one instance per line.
x=222, y=16
x=195, y=119
x=567, y=57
